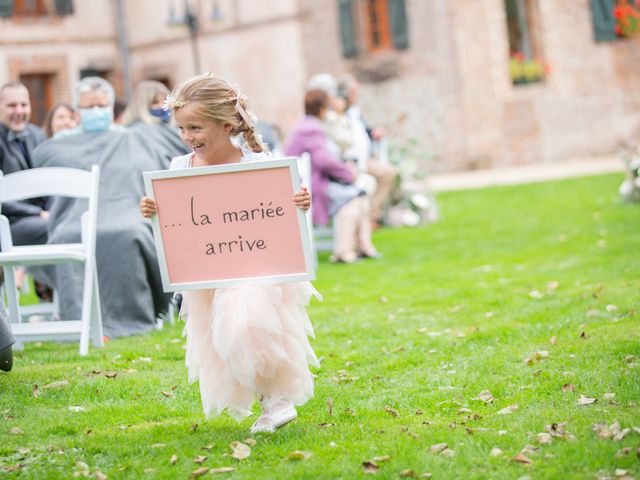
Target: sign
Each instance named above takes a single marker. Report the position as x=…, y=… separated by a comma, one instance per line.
x=225, y=225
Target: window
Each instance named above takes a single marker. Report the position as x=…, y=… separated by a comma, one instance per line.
x=372, y=26
x=40, y=88
x=525, y=65
x=29, y=8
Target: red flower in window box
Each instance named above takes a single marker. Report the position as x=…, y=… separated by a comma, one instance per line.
x=627, y=15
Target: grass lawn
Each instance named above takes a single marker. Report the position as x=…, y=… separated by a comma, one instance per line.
x=530, y=293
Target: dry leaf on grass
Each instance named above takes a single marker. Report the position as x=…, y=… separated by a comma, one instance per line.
x=438, y=447
x=407, y=474
x=15, y=431
x=36, y=392
x=249, y=441
x=391, y=411
x=553, y=340
x=99, y=475
x=381, y=458
x=484, y=396
x=240, y=450
x=586, y=400
x=557, y=430
x=299, y=455
x=167, y=393
x=544, y=438
x=198, y=472
x=521, y=458
x=536, y=356
x=495, y=452
x=623, y=452
x=77, y=408
x=200, y=459
x=56, y=385
x=369, y=466
x=509, y=409
x=215, y=471
x=462, y=411
x=173, y=459
x=568, y=387
x=330, y=405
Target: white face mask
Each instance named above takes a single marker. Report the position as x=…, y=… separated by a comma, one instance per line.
x=96, y=119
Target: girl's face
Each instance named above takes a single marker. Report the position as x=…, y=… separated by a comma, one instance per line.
x=205, y=136
x=63, y=119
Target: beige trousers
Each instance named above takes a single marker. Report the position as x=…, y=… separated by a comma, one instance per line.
x=352, y=226
x=385, y=175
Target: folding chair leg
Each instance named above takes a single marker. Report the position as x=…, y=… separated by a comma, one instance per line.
x=96, y=315
x=12, y=294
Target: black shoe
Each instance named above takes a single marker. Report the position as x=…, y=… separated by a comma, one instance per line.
x=6, y=359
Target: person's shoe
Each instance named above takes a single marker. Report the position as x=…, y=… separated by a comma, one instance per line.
x=274, y=415
x=6, y=359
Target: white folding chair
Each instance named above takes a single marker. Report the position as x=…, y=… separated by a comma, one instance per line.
x=43, y=182
x=321, y=236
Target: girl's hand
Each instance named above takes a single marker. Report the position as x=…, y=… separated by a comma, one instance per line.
x=148, y=207
x=302, y=199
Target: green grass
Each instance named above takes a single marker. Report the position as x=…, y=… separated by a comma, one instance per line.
x=447, y=313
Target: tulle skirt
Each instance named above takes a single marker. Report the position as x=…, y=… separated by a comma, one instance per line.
x=249, y=341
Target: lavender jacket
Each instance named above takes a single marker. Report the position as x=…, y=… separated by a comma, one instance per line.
x=308, y=136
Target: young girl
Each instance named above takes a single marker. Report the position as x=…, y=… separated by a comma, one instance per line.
x=248, y=341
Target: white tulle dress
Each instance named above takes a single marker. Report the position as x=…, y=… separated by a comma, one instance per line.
x=248, y=341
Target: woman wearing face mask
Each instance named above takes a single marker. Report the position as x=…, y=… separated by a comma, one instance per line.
x=145, y=112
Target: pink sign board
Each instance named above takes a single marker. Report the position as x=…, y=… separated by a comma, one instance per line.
x=225, y=225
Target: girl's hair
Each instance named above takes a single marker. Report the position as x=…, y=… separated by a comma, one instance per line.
x=315, y=101
x=48, y=120
x=217, y=100
x=142, y=98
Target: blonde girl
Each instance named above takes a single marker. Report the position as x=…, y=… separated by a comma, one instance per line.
x=250, y=341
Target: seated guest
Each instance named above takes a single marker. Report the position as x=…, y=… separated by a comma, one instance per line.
x=332, y=183
x=61, y=117
x=146, y=113
x=129, y=280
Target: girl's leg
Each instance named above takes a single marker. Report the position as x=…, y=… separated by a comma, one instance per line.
x=345, y=225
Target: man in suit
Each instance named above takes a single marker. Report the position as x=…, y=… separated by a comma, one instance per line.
x=18, y=139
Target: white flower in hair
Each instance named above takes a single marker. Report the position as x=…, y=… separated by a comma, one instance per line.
x=172, y=103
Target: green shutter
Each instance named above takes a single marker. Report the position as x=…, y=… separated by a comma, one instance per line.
x=64, y=7
x=6, y=8
x=603, y=20
x=398, y=18
x=347, y=33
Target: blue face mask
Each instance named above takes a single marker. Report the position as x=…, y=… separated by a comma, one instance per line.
x=161, y=113
x=96, y=119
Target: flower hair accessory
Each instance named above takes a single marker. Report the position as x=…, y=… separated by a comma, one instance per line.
x=172, y=103
x=250, y=121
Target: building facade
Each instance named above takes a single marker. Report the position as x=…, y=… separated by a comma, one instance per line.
x=473, y=83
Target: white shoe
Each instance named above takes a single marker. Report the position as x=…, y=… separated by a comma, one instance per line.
x=275, y=414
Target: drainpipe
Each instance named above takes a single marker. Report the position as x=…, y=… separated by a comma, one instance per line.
x=123, y=47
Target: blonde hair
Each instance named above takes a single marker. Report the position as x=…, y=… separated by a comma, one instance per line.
x=142, y=98
x=217, y=100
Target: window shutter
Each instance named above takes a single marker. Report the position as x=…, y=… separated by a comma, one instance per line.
x=347, y=33
x=64, y=7
x=398, y=18
x=603, y=20
x=6, y=8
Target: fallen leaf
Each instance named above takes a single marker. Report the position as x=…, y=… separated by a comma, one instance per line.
x=77, y=408
x=215, y=471
x=369, y=466
x=495, y=452
x=544, y=438
x=15, y=431
x=240, y=450
x=553, y=340
x=36, y=392
x=463, y=411
x=193, y=427
x=173, y=459
x=623, y=452
x=568, y=387
x=200, y=459
x=609, y=396
x=299, y=455
x=13, y=468
x=529, y=450
x=484, y=396
x=584, y=335
x=55, y=385
x=557, y=430
x=198, y=472
x=330, y=405
x=611, y=308
x=167, y=393
x=392, y=411
x=407, y=474
x=111, y=375
x=249, y=441
x=382, y=458
x=100, y=476
x=438, y=448
x=509, y=409
x=520, y=458
x=586, y=400
x=536, y=356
